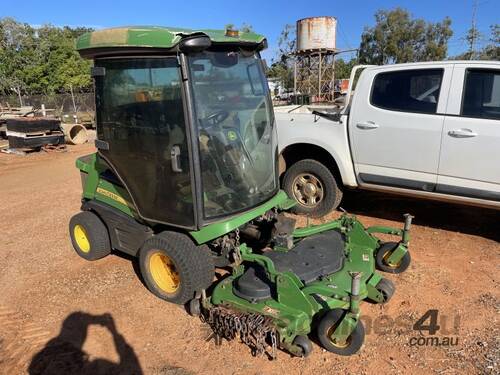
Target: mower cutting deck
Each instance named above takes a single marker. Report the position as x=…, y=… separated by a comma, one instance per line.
x=185, y=179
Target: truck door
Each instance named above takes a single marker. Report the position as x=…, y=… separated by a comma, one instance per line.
x=395, y=126
x=470, y=151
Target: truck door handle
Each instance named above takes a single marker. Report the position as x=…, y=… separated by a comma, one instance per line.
x=175, y=153
x=462, y=133
x=367, y=125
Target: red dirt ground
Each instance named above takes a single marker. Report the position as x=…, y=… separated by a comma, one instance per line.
x=51, y=296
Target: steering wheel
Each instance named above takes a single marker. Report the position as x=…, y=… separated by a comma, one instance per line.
x=216, y=117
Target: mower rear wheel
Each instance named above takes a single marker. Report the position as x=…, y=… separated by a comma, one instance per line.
x=89, y=236
x=384, y=252
x=327, y=327
x=174, y=268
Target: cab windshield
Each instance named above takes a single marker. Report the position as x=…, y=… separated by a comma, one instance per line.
x=236, y=132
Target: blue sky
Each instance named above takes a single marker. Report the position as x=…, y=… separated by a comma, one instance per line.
x=267, y=16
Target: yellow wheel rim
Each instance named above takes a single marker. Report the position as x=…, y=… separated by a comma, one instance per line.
x=81, y=238
x=385, y=258
x=340, y=345
x=164, y=273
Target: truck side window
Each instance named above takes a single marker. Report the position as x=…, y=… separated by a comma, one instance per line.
x=408, y=90
x=481, y=94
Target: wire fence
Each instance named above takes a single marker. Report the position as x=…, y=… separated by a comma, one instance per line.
x=60, y=105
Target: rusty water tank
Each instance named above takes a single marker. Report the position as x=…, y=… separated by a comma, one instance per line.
x=316, y=33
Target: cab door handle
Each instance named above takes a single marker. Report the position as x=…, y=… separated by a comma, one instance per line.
x=175, y=154
x=462, y=133
x=366, y=125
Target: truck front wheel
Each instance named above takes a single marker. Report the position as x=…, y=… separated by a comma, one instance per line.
x=313, y=186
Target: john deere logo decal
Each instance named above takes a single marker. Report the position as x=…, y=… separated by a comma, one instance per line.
x=231, y=135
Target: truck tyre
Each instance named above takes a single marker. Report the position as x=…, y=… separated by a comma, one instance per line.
x=313, y=187
x=89, y=236
x=174, y=268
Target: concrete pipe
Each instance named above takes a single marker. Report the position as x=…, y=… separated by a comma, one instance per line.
x=75, y=134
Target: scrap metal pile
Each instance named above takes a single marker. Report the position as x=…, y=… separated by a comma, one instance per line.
x=26, y=129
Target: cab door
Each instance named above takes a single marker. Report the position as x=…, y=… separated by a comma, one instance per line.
x=396, y=123
x=143, y=135
x=470, y=151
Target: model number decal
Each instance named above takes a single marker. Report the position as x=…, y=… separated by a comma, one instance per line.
x=111, y=195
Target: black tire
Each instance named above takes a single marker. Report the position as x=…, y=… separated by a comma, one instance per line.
x=191, y=265
x=304, y=344
x=89, y=236
x=382, y=253
x=387, y=288
x=194, y=307
x=354, y=341
x=320, y=204
x=32, y=124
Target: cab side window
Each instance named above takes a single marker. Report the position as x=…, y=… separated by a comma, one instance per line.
x=481, y=97
x=408, y=90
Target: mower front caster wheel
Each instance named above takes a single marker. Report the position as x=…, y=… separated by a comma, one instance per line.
x=194, y=307
x=327, y=327
x=384, y=252
x=89, y=236
x=174, y=268
x=304, y=344
x=386, y=288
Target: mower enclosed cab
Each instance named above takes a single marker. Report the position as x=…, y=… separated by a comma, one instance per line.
x=185, y=178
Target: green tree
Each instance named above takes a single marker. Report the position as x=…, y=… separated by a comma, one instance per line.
x=244, y=28
x=492, y=50
x=41, y=60
x=398, y=38
x=343, y=68
x=282, y=65
x=18, y=58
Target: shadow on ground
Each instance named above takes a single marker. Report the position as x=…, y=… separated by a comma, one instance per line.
x=476, y=221
x=64, y=355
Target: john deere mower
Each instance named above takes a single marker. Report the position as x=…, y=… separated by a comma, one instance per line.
x=185, y=178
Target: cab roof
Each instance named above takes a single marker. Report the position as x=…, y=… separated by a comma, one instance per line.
x=155, y=37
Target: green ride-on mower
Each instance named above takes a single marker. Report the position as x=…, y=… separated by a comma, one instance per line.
x=186, y=179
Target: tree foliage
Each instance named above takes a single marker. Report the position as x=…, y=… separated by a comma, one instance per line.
x=491, y=51
x=398, y=38
x=343, y=68
x=244, y=28
x=40, y=60
x=282, y=65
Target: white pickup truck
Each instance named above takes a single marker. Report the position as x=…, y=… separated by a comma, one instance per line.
x=428, y=130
